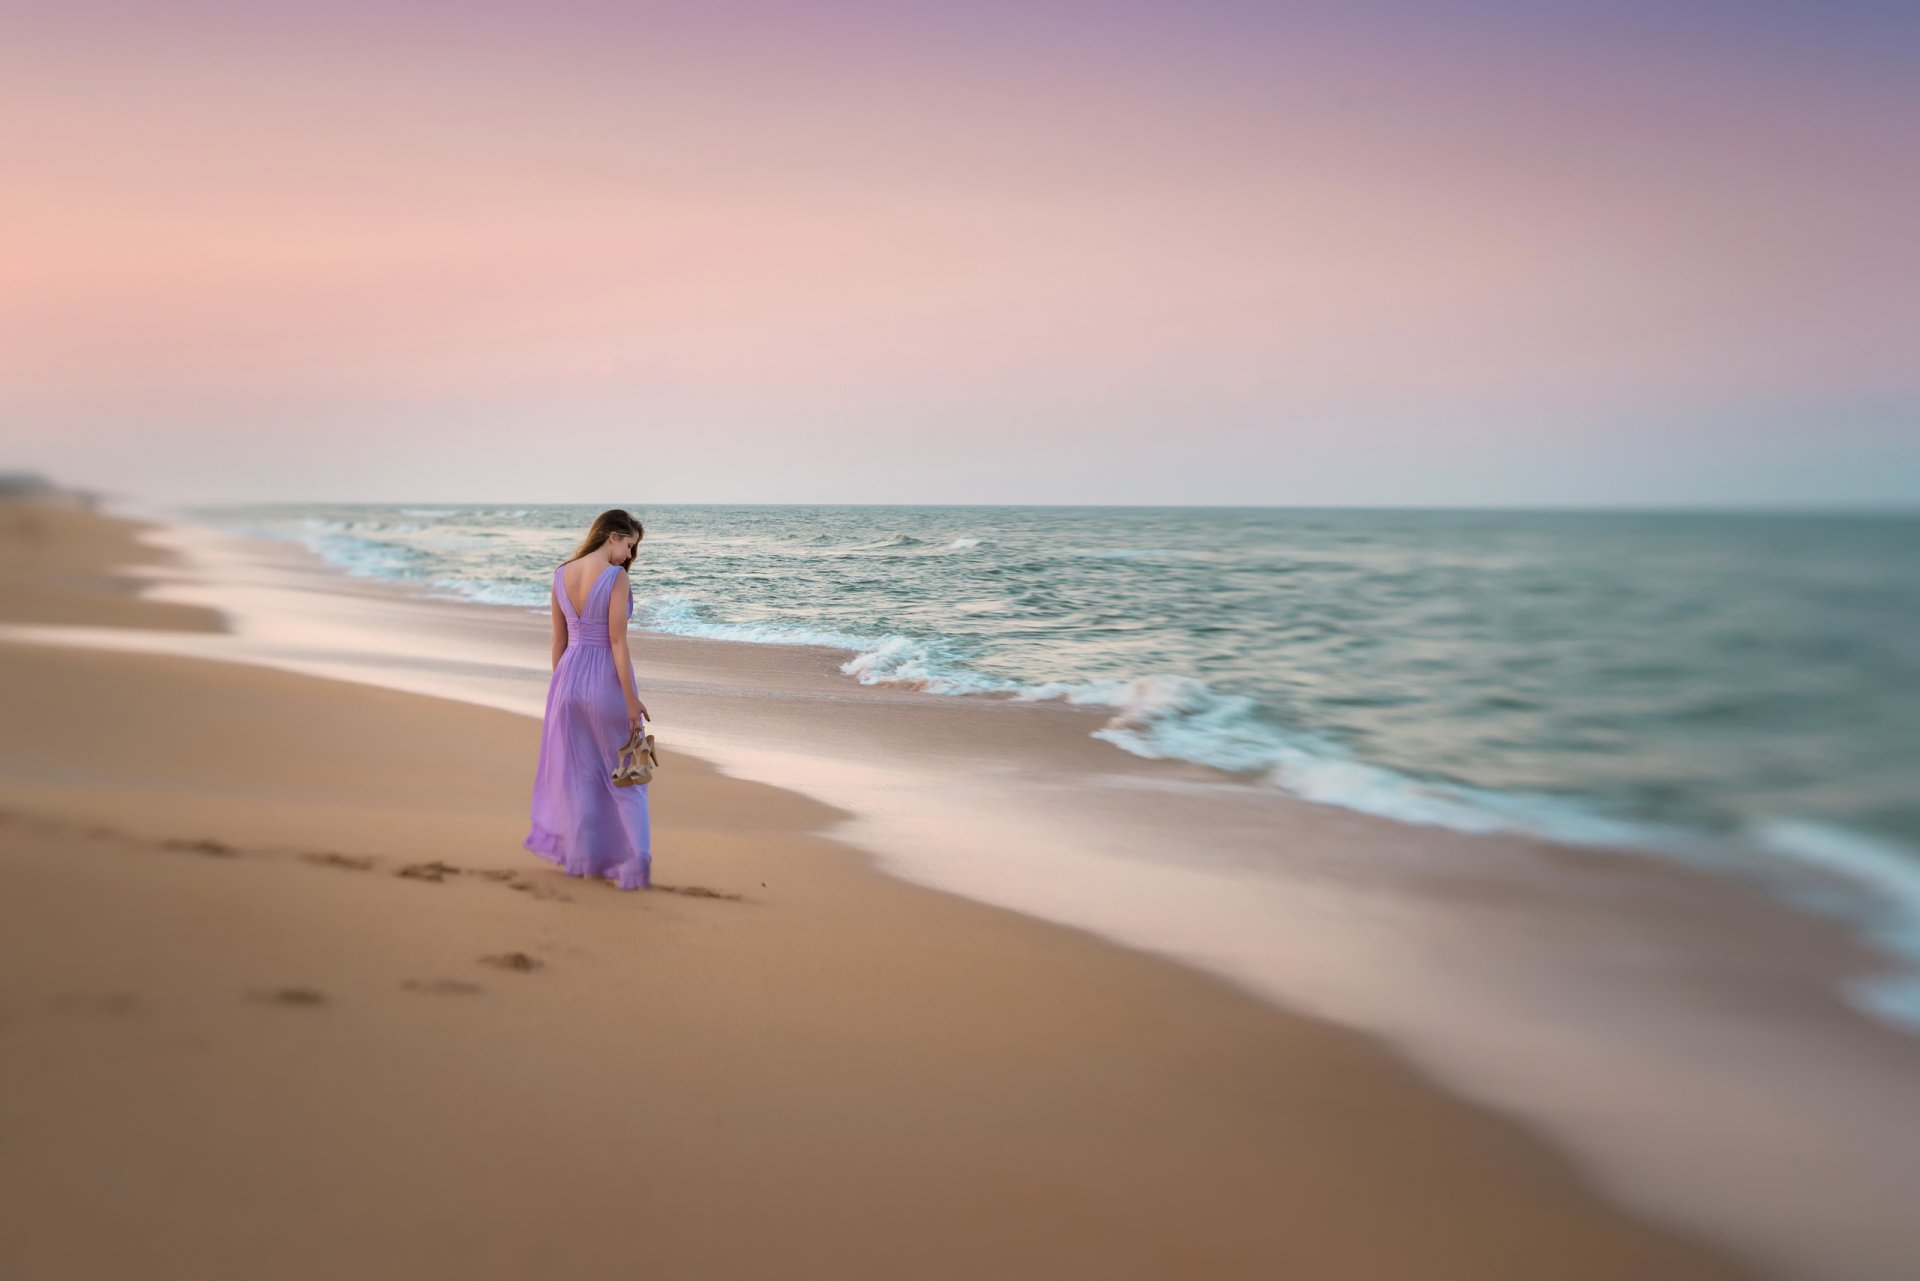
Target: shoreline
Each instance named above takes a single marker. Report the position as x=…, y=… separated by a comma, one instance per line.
x=823, y=707
x=1811, y=861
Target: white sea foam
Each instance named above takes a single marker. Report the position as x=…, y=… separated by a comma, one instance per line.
x=487, y=592
x=877, y=660
x=1888, y=909
x=364, y=558
x=680, y=615
x=888, y=543
x=1181, y=718
x=911, y=661
x=1888, y=868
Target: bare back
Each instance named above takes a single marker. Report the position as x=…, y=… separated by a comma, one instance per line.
x=577, y=578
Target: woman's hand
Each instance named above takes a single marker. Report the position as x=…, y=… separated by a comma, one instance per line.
x=636, y=712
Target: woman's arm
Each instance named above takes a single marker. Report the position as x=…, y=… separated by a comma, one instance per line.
x=559, y=628
x=618, y=607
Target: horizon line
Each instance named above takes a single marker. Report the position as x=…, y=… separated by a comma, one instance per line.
x=1910, y=508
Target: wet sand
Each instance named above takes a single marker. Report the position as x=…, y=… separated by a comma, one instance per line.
x=282, y=996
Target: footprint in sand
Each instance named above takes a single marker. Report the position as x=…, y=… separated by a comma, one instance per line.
x=442, y=987
x=696, y=891
x=432, y=870
x=512, y=961
x=204, y=845
x=540, y=891
x=288, y=996
x=516, y=882
x=327, y=858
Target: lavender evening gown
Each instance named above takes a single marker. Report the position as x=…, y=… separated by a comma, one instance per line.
x=580, y=819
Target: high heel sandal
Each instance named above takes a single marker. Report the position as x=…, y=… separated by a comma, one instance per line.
x=623, y=764
x=627, y=770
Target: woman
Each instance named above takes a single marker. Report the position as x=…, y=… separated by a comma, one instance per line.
x=580, y=819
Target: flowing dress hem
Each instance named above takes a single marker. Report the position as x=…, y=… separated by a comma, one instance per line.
x=635, y=874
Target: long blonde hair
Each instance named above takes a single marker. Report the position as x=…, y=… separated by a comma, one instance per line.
x=605, y=526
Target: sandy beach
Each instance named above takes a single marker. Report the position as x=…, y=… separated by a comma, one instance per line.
x=284, y=997
x=1282, y=640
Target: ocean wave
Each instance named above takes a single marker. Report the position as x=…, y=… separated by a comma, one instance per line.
x=1886, y=908
x=917, y=663
x=1171, y=717
x=887, y=659
x=894, y=542
x=366, y=558
x=680, y=615
x=1181, y=718
x=494, y=592
x=320, y=525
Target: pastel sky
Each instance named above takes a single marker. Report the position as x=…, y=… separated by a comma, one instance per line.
x=1145, y=251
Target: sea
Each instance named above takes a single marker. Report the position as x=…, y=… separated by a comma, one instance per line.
x=1741, y=688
